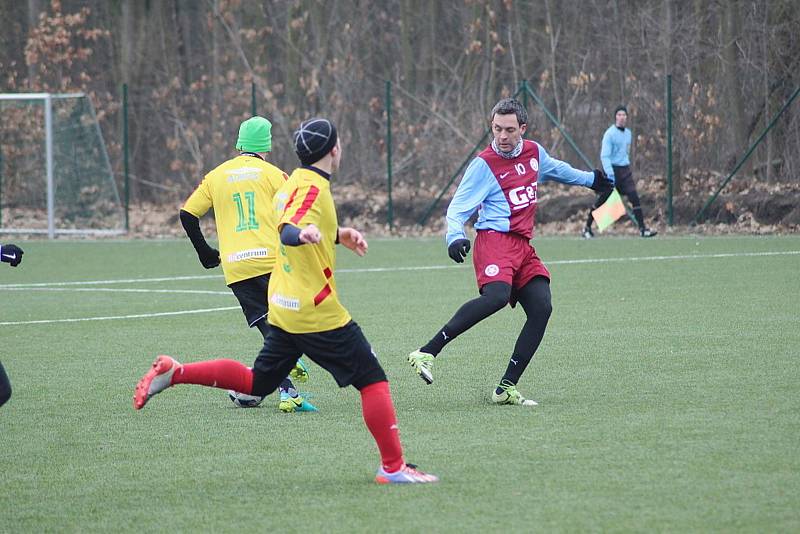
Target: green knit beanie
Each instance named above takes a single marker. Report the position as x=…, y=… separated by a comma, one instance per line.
x=255, y=135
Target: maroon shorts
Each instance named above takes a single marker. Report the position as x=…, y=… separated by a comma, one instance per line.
x=505, y=257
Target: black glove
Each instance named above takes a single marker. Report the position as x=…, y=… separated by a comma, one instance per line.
x=457, y=250
x=209, y=257
x=601, y=182
x=11, y=254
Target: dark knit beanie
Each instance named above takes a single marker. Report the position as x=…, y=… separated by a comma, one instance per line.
x=620, y=108
x=314, y=140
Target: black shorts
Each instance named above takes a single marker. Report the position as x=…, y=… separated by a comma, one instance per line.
x=623, y=180
x=344, y=352
x=252, y=295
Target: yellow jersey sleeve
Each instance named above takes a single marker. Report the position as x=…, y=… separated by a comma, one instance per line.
x=200, y=201
x=302, y=207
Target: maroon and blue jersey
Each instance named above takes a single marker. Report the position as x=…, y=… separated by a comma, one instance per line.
x=505, y=191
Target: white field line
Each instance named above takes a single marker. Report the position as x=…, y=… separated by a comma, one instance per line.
x=122, y=290
x=118, y=281
x=114, y=317
x=52, y=286
x=418, y=268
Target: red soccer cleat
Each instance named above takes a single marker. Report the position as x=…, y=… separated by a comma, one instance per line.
x=156, y=380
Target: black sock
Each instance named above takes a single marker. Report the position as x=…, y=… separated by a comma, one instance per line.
x=437, y=342
x=494, y=297
x=637, y=212
x=535, y=300
x=590, y=219
x=636, y=204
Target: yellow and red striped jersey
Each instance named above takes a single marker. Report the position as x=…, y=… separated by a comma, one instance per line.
x=302, y=290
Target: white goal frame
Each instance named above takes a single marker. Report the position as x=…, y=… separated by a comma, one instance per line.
x=52, y=231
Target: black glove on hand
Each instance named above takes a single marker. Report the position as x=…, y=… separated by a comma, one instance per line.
x=209, y=257
x=11, y=254
x=457, y=250
x=601, y=182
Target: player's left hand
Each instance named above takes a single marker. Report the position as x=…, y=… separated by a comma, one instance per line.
x=11, y=254
x=209, y=256
x=601, y=183
x=353, y=239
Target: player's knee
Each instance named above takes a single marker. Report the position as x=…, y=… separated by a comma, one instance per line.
x=546, y=307
x=496, y=295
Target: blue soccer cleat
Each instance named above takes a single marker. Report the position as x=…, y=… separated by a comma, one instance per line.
x=289, y=404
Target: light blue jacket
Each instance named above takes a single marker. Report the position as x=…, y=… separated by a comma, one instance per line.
x=479, y=189
x=615, y=149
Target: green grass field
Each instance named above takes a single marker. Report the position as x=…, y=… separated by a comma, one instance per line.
x=668, y=382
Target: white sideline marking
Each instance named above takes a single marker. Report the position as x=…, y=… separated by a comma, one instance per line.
x=55, y=285
x=678, y=257
x=111, y=318
x=103, y=282
x=421, y=268
x=123, y=290
x=587, y=260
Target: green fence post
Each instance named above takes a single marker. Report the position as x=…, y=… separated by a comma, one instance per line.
x=125, y=161
x=253, y=98
x=746, y=156
x=669, y=149
x=389, y=207
x=557, y=124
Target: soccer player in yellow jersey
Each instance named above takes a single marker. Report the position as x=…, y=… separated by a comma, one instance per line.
x=240, y=191
x=306, y=316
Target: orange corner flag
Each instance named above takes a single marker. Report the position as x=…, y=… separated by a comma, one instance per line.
x=610, y=211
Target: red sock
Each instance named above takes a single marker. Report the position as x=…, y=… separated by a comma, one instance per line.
x=378, y=410
x=224, y=374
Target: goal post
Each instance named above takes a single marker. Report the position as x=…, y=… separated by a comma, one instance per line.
x=55, y=173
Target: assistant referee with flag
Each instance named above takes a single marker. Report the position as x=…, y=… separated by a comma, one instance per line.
x=616, y=163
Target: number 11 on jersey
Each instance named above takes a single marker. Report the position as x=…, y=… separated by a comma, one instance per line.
x=250, y=223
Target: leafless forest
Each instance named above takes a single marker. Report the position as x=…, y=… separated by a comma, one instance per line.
x=189, y=65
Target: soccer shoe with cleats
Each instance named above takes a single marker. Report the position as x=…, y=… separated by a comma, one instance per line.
x=647, y=232
x=156, y=380
x=422, y=362
x=299, y=372
x=587, y=233
x=408, y=474
x=510, y=395
x=289, y=404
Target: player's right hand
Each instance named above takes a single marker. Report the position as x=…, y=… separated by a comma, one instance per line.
x=209, y=257
x=601, y=183
x=457, y=250
x=310, y=235
x=11, y=254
